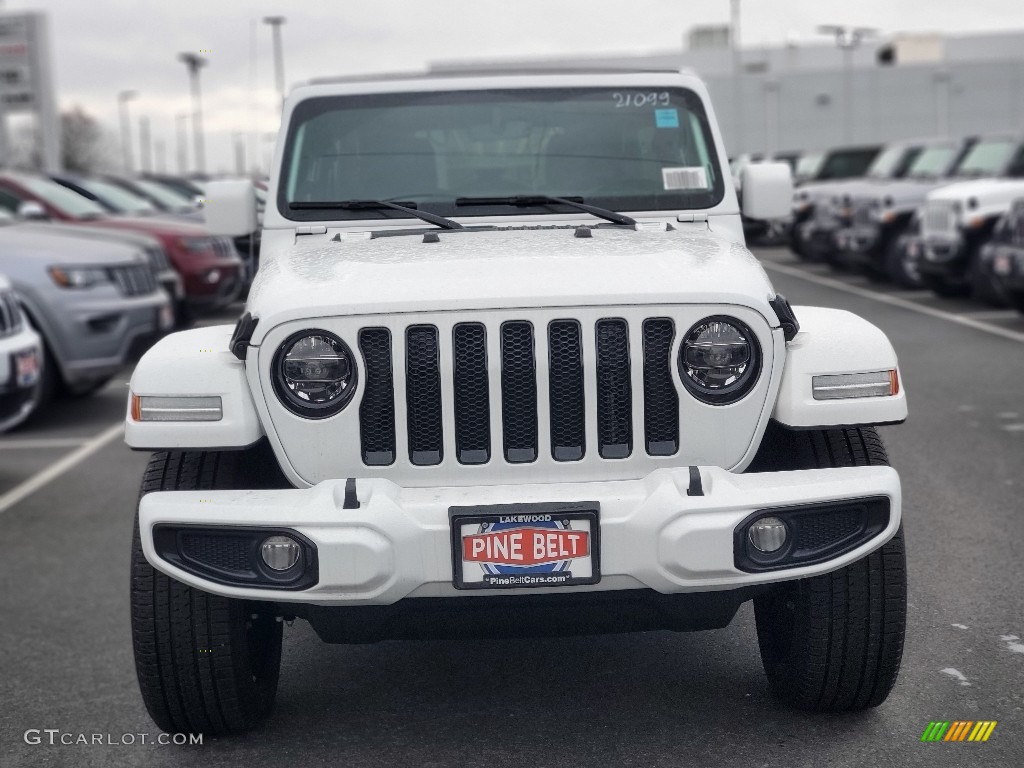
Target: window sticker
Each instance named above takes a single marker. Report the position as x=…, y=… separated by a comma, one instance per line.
x=684, y=178
x=666, y=118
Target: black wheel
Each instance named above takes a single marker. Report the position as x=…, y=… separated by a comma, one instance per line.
x=205, y=663
x=833, y=643
x=942, y=287
x=1016, y=300
x=901, y=267
x=983, y=287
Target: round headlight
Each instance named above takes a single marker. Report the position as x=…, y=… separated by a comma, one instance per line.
x=314, y=374
x=719, y=360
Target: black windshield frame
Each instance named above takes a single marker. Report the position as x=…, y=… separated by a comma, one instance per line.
x=668, y=201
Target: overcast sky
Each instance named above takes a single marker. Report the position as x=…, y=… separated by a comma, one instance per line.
x=104, y=46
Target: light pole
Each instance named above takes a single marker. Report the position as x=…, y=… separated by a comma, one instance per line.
x=126, y=127
x=737, y=72
x=145, y=149
x=194, y=64
x=771, y=114
x=275, y=23
x=848, y=39
x=180, y=119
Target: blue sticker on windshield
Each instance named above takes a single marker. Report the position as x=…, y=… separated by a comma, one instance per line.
x=666, y=118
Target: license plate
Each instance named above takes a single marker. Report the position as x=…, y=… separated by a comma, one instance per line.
x=26, y=368
x=1001, y=265
x=514, y=546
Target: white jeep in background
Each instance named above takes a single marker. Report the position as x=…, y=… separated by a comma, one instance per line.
x=958, y=219
x=508, y=368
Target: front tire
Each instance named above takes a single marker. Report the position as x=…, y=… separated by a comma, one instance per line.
x=833, y=643
x=205, y=663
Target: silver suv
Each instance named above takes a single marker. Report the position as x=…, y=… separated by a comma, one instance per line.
x=94, y=302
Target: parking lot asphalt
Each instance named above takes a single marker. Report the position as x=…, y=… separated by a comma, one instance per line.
x=654, y=699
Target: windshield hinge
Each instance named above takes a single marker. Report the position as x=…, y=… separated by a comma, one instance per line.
x=692, y=218
x=311, y=229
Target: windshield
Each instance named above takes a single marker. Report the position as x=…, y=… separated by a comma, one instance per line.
x=62, y=198
x=620, y=149
x=807, y=166
x=163, y=195
x=120, y=199
x=847, y=163
x=893, y=163
x=933, y=162
x=987, y=158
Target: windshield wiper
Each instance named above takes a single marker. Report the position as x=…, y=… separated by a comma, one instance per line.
x=357, y=205
x=526, y=201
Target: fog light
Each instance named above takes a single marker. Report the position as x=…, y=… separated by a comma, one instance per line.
x=767, y=534
x=213, y=276
x=280, y=552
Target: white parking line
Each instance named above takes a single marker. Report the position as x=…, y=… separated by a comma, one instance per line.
x=895, y=301
x=42, y=442
x=58, y=468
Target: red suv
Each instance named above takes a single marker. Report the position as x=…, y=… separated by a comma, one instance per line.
x=209, y=266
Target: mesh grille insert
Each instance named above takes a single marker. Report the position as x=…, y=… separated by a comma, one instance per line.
x=614, y=392
x=518, y=392
x=827, y=528
x=472, y=398
x=423, y=395
x=226, y=553
x=565, y=363
x=661, y=401
x=377, y=411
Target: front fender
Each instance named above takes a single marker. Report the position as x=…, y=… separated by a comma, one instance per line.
x=194, y=363
x=834, y=341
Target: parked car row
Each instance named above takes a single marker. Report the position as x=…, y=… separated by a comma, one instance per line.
x=940, y=214
x=93, y=270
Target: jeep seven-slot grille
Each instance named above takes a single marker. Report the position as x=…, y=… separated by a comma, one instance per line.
x=565, y=385
x=423, y=395
x=472, y=397
x=518, y=392
x=516, y=382
x=614, y=391
x=377, y=411
x=661, y=403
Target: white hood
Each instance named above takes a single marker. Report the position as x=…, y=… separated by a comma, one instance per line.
x=321, y=277
x=987, y=191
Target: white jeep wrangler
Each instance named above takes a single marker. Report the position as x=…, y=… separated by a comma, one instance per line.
x=508, y=368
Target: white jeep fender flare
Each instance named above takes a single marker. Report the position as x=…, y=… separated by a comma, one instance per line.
x=834, y=341
x=194, y=363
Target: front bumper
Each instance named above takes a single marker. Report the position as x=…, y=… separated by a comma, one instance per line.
x=943, y=255
x=396, y=542
x=18, y=390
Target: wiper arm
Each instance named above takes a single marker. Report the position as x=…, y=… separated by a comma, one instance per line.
x=525, y=201
x=356, y=205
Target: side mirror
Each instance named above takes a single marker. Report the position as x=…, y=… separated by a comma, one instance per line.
x=767, y=191
x=230, y=208
x=30, y=210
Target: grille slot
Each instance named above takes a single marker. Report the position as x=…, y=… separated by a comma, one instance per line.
x=518, y=392
x=423, y=395
x=565, y=364
x=614, y=391
x=472, y=398
x=377, y=410
x=10, y=314
x=661, y=401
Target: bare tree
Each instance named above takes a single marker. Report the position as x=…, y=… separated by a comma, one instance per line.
x=83, y=148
